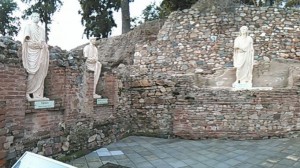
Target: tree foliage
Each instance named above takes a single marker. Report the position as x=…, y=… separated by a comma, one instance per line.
x=168, y=6
x=151, y=12
x=9, y=25
x=97, y=16
x=45, y=8
x=288, y=3
x=291, y=3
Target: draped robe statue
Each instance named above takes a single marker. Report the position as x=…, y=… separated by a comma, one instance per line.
x=243, y=59
x=35, y=57
x=91, y=52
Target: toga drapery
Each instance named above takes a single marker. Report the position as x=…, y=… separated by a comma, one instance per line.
x=91, y=52
x=243, y=59
x=35, y=56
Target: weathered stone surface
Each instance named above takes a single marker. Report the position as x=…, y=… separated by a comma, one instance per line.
x=9, y=51
x=65, y=146
x=158, y=95
x=120, y=49
x=92, y=138
x=111, y=165
x=195, y=47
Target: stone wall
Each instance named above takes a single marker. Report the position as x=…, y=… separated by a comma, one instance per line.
x=192, y=39
x=120, y=49
x=175, y=106
x=149, y=102
x=76, y=123
x=159, y=94
x=166, y=97
x=237, y=114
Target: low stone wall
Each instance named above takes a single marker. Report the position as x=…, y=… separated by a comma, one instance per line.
x=175, y=106
x=239, y=115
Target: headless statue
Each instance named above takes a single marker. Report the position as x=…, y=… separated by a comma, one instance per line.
x=91, y=52
x=243, y=59
x=35, y=57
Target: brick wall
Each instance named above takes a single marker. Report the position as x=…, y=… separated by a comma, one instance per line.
x=12, y=92
x=43, y=121
x=45, y=131
x=55, y=82
x=2, y=133
x=110, y=90
x=78, y=94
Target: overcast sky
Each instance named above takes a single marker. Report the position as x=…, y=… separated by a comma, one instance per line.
x=66, y=30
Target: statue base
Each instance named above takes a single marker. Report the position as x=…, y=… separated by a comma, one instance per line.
x=37, y=99
x=242, y=85
x=95, y=96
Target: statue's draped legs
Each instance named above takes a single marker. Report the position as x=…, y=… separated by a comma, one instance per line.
x=37, y=66
x=97, y=72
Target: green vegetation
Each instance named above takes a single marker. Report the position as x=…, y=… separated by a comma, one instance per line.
x=45, y=8
x=9, y=25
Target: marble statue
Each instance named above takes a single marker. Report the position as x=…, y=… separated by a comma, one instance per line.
x=91, y=52
x=35, y=57
x=243, y=59
x=262, y=1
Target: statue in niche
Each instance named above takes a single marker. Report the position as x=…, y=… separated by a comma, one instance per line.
x=243, y=59
x=91, y=52
x=35, y=57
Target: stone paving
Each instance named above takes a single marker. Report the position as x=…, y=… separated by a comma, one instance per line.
x=149, y=152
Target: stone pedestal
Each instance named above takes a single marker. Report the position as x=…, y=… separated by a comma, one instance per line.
x=242, y=85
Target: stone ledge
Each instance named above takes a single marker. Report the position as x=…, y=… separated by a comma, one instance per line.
x=238, y=89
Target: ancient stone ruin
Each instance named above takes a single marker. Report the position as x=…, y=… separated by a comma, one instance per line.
x=166, y=78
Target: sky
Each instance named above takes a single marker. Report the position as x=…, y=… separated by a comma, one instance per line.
x=66, y=30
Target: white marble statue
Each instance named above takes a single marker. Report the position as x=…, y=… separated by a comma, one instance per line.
x=243, y=59
x=35, y=56
x=262, y=1
x=91, y=52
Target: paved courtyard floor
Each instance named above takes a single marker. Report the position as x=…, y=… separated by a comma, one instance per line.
x=148, y=152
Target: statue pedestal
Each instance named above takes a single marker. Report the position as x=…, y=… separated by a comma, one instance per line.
x=252, y=88
x=242, y=85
